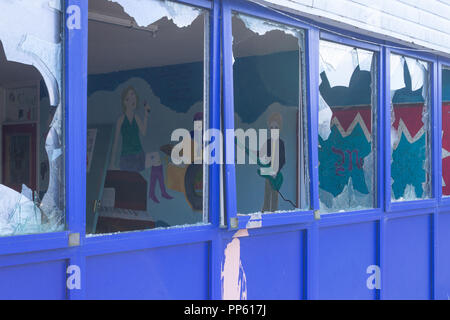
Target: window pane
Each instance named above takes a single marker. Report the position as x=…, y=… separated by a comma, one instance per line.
x=31, y=119
x=271, y=153
x=410, y=129
x=347, y=130
x=147, y=67
x=446, y=132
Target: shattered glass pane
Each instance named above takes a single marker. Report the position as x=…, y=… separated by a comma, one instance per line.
x=148, y=68
x=410, y=129
x=32, y=195
x=446, y=131
x=270, y=118
x=347, y=138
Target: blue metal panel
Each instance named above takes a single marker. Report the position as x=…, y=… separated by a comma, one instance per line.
x=443, y=258
x=408, y=255
x=41, y=281
x=345, y=254
x=179, y=272
x=274, y=265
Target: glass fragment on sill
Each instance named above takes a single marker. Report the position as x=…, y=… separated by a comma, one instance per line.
x=146, y=12
x=348, y=199
x=30, y=35
x=18, y=213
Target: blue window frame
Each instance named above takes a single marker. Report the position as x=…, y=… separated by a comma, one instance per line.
x=433, y=120
x=443, y=72
x=350, y=122
x=21, y=250
x=28, y=129
x=214, y=122
x=235, y=220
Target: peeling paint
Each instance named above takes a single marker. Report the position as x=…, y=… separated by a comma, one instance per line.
x=241, y=233
x=233, y=278
x=255, y=221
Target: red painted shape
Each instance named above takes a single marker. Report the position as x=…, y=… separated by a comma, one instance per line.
x=347, y=115
x=411, y=114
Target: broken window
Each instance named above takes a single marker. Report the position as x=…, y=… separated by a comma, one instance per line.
x=410, y=129
x=148, y=79
x=31, y=118
x=270, y=122
x=446, y=132
x=347, y=129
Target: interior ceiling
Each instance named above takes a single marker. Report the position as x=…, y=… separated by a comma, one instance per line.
x=115, y=48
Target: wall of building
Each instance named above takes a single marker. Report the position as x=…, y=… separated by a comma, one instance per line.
x=420, y=22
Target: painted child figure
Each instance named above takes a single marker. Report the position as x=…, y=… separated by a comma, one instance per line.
x=157, y=176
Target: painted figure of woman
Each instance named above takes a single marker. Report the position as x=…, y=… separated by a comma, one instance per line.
x=130, y=127
x=132, y=156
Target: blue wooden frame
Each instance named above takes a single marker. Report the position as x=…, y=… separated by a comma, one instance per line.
x=443, y=202
x=416, y=204
x=379, y=124
x=54, y=246
x=139, y=240
x=214, y=169
x=442, y=62
x=297, y=216
x=31, y=249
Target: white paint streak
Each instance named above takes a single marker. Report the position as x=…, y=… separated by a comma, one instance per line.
x=234, y=280
x=241, y=233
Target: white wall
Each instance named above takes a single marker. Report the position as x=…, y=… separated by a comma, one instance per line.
x=424, y=23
